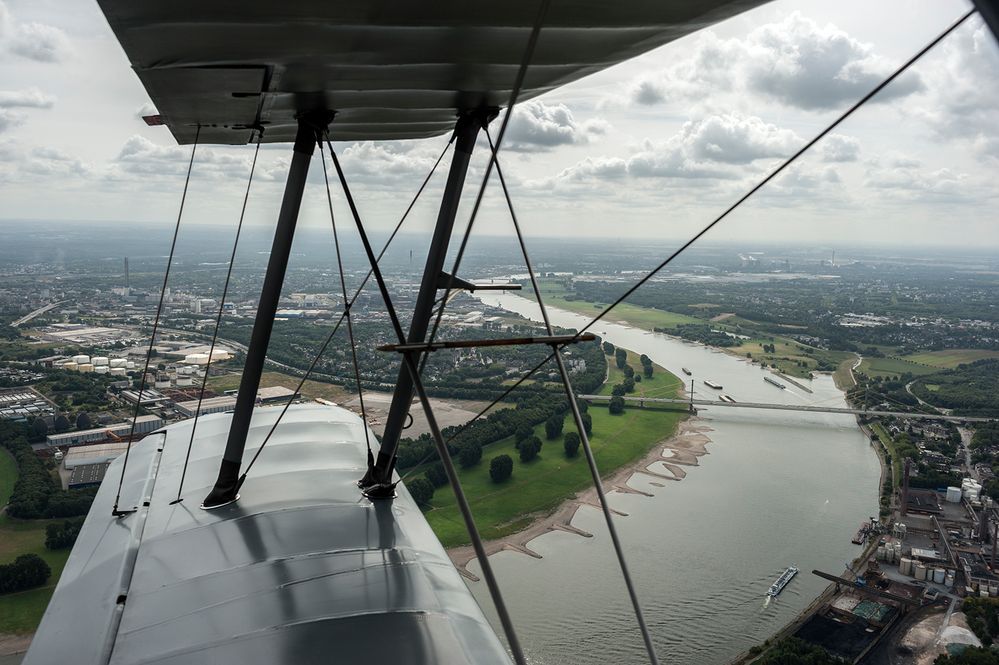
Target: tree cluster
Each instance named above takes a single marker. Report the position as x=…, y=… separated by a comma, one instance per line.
x=500, y=468
x=26, y=572
x=61, y=536
x=36, y=493
x=646, y=366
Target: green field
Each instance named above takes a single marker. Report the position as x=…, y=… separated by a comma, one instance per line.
x=886, y=439
x=638, y=317
x=541, y=485
x=662, y=383
x=893, y=367
x=791, y=357
x=951, y=358
x=8, y=476
x=311, y=389
x=21, y=612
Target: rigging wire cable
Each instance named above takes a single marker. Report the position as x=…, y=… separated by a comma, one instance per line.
x=364, y=282
x=578, y=418
x=156, y=323
x=459, y=494
x=346, y=305
x=218, y=318
x=532, y=43
x=786, y=163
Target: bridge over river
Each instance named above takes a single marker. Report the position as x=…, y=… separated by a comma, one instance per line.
x=642, y=401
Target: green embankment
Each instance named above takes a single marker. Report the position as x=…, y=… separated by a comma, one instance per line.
x=889, y=443
x=892, y=367
x=21, y=612
x=950, y=358
x=542, y=484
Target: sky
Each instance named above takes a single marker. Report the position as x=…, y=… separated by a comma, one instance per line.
x=652, y=148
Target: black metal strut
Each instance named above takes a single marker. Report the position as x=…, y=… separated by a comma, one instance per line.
x=466, y=130
x=226, y=488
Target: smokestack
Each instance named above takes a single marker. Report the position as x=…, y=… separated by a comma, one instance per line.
x=905, y=487
x=995, y=539
x=983, y=525
x=126, y=273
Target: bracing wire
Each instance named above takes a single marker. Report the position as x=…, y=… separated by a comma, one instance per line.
x=346, y=305
x=156, y=323
x=364, y=282
x=410, y=363
x=578, y=418
x=532, y=43
x=786, y=163
x=218, y=318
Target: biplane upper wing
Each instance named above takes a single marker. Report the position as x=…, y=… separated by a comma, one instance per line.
x=391, y=69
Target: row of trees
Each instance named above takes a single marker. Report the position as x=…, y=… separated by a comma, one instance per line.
x=61, y=536
x=36, y=493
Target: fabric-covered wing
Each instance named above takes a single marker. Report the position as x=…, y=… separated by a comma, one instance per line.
x=391, y=69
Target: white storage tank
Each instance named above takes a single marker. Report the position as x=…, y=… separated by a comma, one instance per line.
x=118, y=362
x=949, y=580
x=919, y=571
x=85, y=367
x=983, y=592
x=70, y=366
x=101, y=369
x=954, y=494
x=939, y=574
x=98, y=361
x=80, y=360
x=881, y=553
x=905, y=566
x=117, y=371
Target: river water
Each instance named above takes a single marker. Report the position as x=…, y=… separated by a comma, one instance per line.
x=777, y=488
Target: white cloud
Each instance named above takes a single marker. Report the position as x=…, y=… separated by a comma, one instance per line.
x=27, y=98
x=33, y=41
x=10, y=119
x=795, y=62
x=839, y=148
x=964, y=95
x=539, y=126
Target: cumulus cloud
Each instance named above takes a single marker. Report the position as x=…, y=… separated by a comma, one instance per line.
x=47, y=161
x=963, y=95
x=913, y=183
x=718, y=147
x=28, y=98
x=33, y=41
x=10, y=119
x=795, y=61
x=839, y=148
x=536, y=125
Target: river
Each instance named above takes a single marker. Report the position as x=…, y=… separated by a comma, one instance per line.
x=777, y=488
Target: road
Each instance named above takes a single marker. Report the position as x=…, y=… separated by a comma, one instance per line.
x=37, y=312
x=787, y=407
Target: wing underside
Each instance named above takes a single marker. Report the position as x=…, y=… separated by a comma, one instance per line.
x=391, y=69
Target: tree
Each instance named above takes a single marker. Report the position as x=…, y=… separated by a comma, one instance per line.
x=83, y=421
x=621, y=358
x=437, y=475
x=645, y=360
x=422, y=491
x=529, y=448
x=27, y=571
x=608, y=348
x=61, y=536
x=618, y=390
x=588, y=423
x=39, y=428
x=583, y=405
x=571, y=444
x=523, y=432
x=616, y=406
x=629, y=385
x=647, y=371
x=500, y=468
x=628, y=371
x=470, y=455
x=61, y=423
x=637, y=378
x=553, y=426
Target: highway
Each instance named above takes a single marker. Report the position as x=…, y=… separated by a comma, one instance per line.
x=789, y=407
x=37, y=312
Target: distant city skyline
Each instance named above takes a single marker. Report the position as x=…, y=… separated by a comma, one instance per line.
x=652, y=148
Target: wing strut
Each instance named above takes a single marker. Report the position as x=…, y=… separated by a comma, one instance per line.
x=378, y=481
x=227, y=486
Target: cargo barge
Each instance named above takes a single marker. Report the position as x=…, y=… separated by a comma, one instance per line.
x=712, y=384
x=782, y=581
x=775, y=382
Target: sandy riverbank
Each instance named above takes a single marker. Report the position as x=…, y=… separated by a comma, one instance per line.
x=665, y=461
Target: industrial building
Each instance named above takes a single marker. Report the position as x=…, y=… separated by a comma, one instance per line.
x=208, y=405
x=21, y=403
x=88, y=475
x=99, y=453
x=143, y=425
